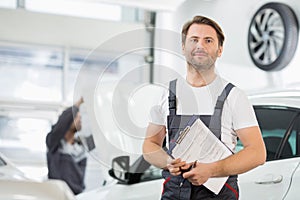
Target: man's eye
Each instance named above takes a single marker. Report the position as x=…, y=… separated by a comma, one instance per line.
x=209, y=40
x=194, y=40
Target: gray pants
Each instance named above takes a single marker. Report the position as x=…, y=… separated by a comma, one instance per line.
x=174, y=190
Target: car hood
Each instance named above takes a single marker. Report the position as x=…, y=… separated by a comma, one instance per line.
x=146, y=190
x=23, y=189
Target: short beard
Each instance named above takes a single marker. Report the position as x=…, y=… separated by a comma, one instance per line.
x=201, y=67
x=206, y=65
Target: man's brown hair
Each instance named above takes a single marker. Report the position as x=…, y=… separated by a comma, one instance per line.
x=202, y=20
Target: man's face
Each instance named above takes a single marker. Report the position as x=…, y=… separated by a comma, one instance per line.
x=201, y=48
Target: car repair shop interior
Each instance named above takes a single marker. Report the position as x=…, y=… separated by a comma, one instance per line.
x=117, y=56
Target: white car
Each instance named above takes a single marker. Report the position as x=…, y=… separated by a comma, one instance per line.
x=129, y=183
x=25, y=189
x=14, y=185
x=8, y=171
x=278, y=115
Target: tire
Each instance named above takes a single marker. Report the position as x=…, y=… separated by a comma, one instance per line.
x=273, y=36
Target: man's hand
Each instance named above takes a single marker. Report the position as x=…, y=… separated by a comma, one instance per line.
x=175, y=165
x=199, y=174
x=79, y=102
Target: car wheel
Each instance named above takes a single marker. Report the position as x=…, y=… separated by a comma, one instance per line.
x=273, y=36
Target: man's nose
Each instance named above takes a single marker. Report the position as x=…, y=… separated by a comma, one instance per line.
x=200, y=44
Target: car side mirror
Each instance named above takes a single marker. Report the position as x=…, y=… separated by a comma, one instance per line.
x=120, y=168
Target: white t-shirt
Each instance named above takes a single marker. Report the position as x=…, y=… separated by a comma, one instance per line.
x=237, y=113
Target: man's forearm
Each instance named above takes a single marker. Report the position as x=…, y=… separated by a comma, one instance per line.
x=253, y=154
x=238, y=163
x=155, y=155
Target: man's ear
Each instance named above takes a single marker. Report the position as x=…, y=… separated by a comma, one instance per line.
x=182, y=48
x=220, y=51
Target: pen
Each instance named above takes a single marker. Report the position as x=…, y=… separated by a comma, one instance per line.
x=190, y=168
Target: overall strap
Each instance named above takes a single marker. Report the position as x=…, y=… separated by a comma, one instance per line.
x=215, y=122
x=172, y=97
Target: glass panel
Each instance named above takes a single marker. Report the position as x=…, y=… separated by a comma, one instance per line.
x=30, y=73
x=101, y=68
x=292, y=141
x=23, y=134
x=8, y=4
x=91, y=66
x=274, y=123
x=22, y=140
x=77, y=8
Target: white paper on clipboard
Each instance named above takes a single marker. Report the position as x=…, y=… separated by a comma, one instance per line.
x=197, y=142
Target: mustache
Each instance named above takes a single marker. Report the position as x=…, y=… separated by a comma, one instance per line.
x=199, y=51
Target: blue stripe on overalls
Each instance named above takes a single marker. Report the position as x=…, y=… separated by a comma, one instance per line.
x=172, y=189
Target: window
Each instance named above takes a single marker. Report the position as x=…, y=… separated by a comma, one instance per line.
x=275, y=123
x=8, y=4
x=77, y=8
x=23, y=134
x=31, y=72
x=22, y=140
x=86, y=9
x=90, y=65
x=49, y=73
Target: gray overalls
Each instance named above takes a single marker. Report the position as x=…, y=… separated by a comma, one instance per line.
x=173, y=188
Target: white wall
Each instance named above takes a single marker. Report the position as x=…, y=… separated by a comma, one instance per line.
x=234, y=16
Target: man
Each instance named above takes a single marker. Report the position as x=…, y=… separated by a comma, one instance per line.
x=66, y=156
x=200, y=94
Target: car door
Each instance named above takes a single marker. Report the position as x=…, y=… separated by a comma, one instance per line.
x=280, y=132
x=293, y=191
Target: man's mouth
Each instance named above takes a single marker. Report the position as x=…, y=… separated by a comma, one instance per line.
x=199, y=53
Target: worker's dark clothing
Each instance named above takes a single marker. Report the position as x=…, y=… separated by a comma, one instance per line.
x=175, y=188
x=65, y=161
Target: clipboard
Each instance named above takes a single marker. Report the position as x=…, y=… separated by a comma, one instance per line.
x=180, y=135
x=90, y=142
x=197, y=142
